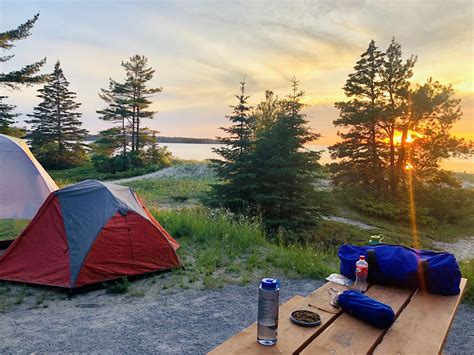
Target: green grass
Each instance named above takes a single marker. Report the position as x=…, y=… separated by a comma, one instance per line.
x=11, y=228
x=171, y=190
x=218, y=243
x=467, y=270
x=401, y=233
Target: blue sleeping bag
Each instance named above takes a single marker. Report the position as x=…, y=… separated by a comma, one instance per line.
x=366, y=309
x=395, y=265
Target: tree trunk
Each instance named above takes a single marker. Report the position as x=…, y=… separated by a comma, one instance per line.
x=393, y=182
x=401, y=155
x=58, y=107
x=133, y=129
x=124, y=143
x=138, y=130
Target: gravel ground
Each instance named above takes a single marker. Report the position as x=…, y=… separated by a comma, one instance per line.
x=173, y=321
x=462, y=249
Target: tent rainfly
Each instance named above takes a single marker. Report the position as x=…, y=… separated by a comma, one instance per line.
x=24, y=184
x=87, y=233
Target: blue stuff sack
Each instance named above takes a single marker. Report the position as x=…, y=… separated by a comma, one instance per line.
x=395, y=265
x=366, y=309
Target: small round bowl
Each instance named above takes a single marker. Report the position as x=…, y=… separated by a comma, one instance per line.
x=295, y=317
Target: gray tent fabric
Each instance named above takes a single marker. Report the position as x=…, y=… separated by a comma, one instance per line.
x=24, y=184
x=86, y=208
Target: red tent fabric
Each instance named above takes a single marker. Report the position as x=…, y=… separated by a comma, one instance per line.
x=88, y=233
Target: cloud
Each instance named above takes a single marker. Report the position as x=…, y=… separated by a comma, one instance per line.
x=201, y=50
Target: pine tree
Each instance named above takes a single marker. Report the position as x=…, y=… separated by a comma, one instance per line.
x=117, y=110
x=285, y=171
x=359, y=150
x=107, y=142
x=234, y=168
x=395, y=75
x=138, y=75
x=7, y=115
x=27, y=75
x=395, y=129
x=56, y=136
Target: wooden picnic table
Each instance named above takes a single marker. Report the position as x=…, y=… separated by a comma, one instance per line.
x=421, y=326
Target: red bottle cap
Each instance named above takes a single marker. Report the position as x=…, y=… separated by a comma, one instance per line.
x=361, y=257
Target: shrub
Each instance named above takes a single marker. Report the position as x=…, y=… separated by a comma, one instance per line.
x=120, y=286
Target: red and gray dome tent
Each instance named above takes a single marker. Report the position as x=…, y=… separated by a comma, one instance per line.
x=88, y=233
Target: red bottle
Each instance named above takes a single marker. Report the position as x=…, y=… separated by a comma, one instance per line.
x=362, y=270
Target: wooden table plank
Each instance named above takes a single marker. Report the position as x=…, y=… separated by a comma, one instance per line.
x=249, y=334
x=291, y=338
x=423, y=326
x=348, y=335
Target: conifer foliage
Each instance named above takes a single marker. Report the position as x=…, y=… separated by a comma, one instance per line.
x=285, y=170
x=138, y=74
x=56, y=134
x=392, y=127
x=234, y=168
x=265, y=169
x=127, y=103
x=7, y=115
x=25, y=76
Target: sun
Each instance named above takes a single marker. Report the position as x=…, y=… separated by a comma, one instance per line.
x=410, y=138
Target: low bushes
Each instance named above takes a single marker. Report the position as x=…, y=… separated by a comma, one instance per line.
x=434, y=205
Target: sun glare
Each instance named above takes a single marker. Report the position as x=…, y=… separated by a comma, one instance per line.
x=410, y=138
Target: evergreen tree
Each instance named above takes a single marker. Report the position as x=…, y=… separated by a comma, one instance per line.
x=7, y=115
x=138, y=75
x=108, y=142
x=153, y=153
x=283, y=190
x=56, y=136
x=234, y=168
x=359, y=150
x=395, y=75
x=117, y=110
x=27, y=75
x=393, y=124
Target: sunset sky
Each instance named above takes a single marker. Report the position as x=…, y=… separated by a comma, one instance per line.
x=202, y=49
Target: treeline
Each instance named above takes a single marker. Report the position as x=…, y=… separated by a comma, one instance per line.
x=164, y=139
x=55, y=133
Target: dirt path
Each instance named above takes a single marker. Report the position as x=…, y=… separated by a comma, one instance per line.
x=178, y=171
x=462, y=249
x=351, y=222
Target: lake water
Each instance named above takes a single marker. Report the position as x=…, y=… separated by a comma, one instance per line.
x=191, y=151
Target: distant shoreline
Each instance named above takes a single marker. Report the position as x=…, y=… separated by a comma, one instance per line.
x=164, y=139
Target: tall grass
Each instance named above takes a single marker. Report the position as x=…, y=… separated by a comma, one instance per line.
x=467, y=271
x=216, y=239
x=170, y=190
